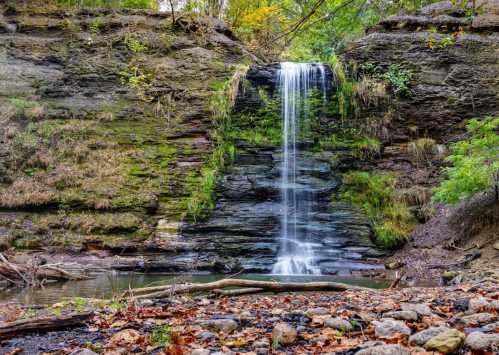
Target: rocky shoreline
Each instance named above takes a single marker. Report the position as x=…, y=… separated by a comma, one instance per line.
x=459, y=319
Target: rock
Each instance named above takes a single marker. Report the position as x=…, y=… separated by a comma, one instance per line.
x=384, y=350
x=496, y=246
x=319, y=311
x=390, y=327
x=481, y=341
x=226, y=326
x=422, y=337
x=261, y=351
x=449, y=275
x=262, y=343
x=494, y=305
x=284, y=334
x=83, y=352
x=394, y=265
x=338, y=323
x=478, y=304
x=200, y=352
x=490, y=327
x=402, y=315
x=419, y=308
x=205, y=336
x=446, y=342
x=477, y=318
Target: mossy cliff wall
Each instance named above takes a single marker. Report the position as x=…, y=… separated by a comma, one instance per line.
x=105, y=122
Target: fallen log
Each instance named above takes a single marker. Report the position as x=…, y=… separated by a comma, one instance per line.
x=265, y=286
x=237, y=291
x=42, y=324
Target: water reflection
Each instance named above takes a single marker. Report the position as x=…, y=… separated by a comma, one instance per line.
x=113, y=284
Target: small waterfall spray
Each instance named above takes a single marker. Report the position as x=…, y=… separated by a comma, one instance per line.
x=296, y=255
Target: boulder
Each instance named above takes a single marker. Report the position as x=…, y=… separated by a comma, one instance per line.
x=422, y=337
x=338, y=323
x=390, y=327
x=284, y=334
x=226, y=326
x=446, y=342
x=402, y=315
x=384, y=350
x=419, y=308
x=481, y=341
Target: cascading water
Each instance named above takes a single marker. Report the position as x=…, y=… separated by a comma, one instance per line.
x=296, y=254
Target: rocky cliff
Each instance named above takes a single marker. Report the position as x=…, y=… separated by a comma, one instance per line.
x=106, y=122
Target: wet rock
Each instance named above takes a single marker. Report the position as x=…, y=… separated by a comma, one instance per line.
x=424, y=336
x=390, y=327
x=284, y=334
x=384, y=350
x=419, y=308
x=338, y=323
x=402, y=315
x=446, y=342
x=200, y=352
x=226, y=326
x=478, y=304
x=481, y=341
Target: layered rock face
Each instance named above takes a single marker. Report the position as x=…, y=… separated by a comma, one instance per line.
x=105, y=121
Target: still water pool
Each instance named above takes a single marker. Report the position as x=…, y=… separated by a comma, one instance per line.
x=107, y=285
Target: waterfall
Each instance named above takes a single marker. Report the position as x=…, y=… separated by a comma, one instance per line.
x=296, y=254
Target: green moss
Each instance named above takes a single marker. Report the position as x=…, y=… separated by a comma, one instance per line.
x=375, y=194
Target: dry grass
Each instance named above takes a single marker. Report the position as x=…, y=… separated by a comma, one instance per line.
x=27, y=191
x=371, y=91
x=422, y=149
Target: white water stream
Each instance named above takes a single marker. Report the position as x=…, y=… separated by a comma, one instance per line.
x=296, y=255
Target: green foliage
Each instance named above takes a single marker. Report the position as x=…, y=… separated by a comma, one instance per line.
x=475, y=162
x=375, y=194
x=137, y=79
x=133, y=44
x=399, y=79
x=161, y=336
x=445, y=42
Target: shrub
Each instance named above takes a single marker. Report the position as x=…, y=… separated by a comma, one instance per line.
x=399, y=79
x=475, y=162
x=375, y=194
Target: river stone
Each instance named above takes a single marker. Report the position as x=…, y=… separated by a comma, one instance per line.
x=402, y=315
x=338, y=323
x=477, y=304
x=200, y=352
x=419, y=308
x=319, y=311
x=390, y=327
x=477, y=318
x=226, y=326
x=83, y=352
x=446, y=342
x=423, y=336
x=284, y=334
x=481, y=341
x=384, y=350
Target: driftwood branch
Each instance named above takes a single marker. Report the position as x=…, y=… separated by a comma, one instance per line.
x=263, y=286
x=29, y=325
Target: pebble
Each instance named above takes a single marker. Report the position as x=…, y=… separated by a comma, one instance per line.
x=83, y=352
x=262, y=343
x=226, y=326
x=390, y=327
x=384, y=350
x=481, y=341
x=477, y=304
x=338, y=323
x=446, y=342
x=284, y=334
x=477, y=318
x=200, y=352
x=423, y=336
x=319, y=311
x=402, y=315
x=419, y=308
